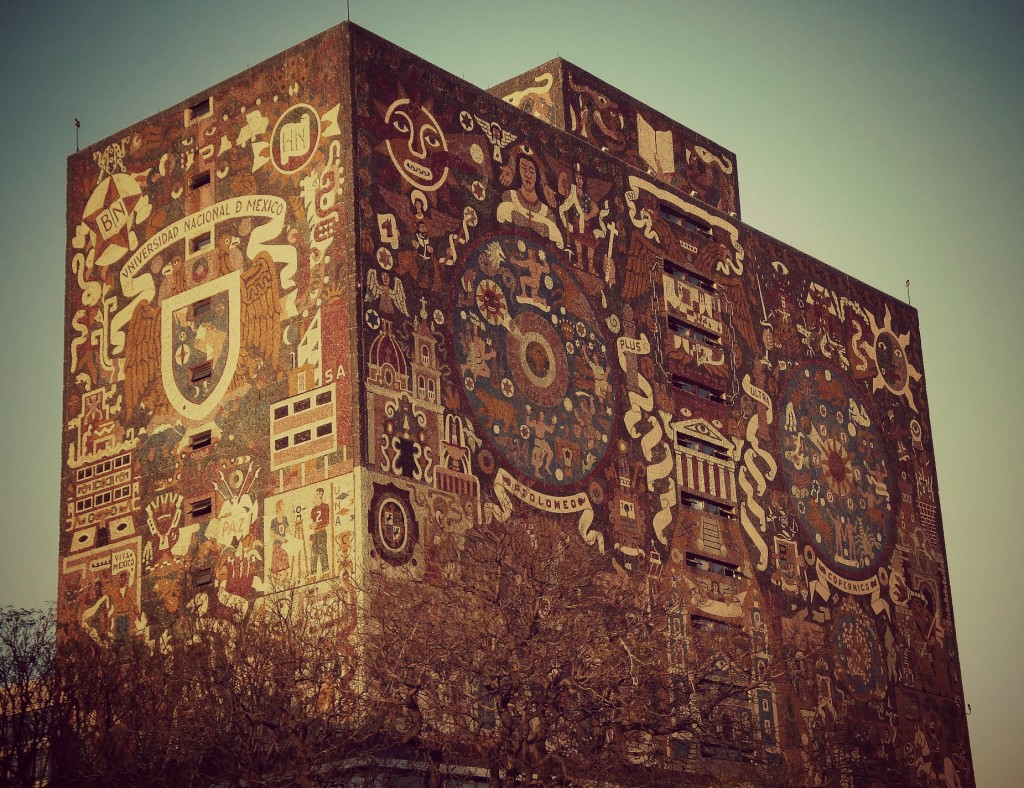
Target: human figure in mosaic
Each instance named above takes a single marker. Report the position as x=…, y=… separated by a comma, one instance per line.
x=523, y=205
x=279, y=527
x=576, y=211
x=320, y=515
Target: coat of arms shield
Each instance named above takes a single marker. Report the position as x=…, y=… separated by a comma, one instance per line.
x=200, y=340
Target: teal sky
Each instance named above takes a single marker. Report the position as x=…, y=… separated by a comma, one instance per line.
x=886, y=139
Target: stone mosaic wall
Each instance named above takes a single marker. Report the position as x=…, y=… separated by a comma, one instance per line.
x=546, y=326
x=573, y=100
x=345, y=305
x=209, y=435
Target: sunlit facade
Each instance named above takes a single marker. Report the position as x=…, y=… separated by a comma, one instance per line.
x=344, y=304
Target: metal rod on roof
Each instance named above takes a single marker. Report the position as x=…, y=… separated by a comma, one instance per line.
x=908, y=291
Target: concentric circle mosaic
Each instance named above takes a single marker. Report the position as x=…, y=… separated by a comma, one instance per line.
x=859, y=662
x=836, y=470
x=533, y=361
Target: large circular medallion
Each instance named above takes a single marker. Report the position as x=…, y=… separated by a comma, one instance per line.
x=836, y=471
x=294, y=139
x=533, y=360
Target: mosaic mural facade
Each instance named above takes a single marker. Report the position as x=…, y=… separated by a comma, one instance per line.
x=576, y=101
x=346, y=305
x=210, y=443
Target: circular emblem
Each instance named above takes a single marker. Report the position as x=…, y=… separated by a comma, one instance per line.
x=294, y=139
x=533, y=360
x=836, y=470
x=393, y=525
x=537, y=359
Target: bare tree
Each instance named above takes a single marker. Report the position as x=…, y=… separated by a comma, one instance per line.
x=523, y=651
x=843, y=751
x=514, y=652
x=26, y=688
x=262, y=699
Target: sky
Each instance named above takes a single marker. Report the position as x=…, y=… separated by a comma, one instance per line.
x=886, y=139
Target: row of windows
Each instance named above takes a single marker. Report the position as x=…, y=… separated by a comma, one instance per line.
x=199, y=308
x=102, y=498
x=303, y=436
x=712, y=565
x=199, y=180
x=200, y=440
x=201, y=109
x=677, y=271
x=201, y=507
x=200, y=243
x=300, y=405
x=691, y=223
x=200, y=372
x=701, y=447
x=699, y=504
x=684, y=329
x=723, y=752
x=106, y=466
x=700, y=389
x=705, y=624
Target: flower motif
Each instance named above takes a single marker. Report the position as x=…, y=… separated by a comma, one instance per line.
x=838, y=470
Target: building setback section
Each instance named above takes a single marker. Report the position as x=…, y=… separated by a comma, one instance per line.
x=576, y=101
x=344, y=291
